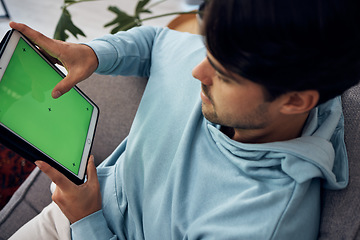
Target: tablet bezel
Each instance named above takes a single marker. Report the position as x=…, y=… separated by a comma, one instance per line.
x=23, y=147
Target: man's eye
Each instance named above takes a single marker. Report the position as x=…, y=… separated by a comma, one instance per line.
x=222, y=79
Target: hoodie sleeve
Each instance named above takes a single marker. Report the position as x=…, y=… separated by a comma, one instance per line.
x=92, y=227
x=107, y=223
x=125, y=53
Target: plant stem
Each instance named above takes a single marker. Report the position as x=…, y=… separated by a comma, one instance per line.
x=139, y=21
x=168, y=14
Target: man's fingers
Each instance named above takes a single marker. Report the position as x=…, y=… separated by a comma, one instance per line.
x=63, y=87
x=23, y=28
x=36, y=37
x=91, y=171
x=58, y=178
x=73, y=77
x=48, y=48
x=79, y=60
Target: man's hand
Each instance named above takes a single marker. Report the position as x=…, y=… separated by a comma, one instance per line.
x=75, y=201
x=79, y=60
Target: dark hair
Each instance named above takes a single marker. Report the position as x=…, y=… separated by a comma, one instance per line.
x=287, y=45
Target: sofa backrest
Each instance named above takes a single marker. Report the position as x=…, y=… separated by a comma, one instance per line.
x=341, y=209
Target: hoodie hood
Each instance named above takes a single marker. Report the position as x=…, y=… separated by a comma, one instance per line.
x=325, y=126
x=319, y=153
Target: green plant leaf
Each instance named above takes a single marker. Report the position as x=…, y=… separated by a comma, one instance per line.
x=76, y=1
x=70, y=1
x=124, y=28
x=65, y=24
x=140, y=7
x=122, y=21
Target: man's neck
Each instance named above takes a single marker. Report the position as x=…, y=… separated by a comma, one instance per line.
x=290, y=128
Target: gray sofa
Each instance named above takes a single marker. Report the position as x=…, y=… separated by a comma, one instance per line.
x=118, y=98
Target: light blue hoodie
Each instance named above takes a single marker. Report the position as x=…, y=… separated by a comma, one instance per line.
x=177, y=176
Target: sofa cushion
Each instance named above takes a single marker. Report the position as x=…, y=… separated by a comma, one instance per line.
x=118, y=98
x=340, y=212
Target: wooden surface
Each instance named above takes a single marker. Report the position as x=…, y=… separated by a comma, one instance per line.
x=185, y=23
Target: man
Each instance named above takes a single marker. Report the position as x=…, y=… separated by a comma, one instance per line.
x=244, y=160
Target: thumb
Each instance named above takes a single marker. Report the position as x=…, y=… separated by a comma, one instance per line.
x=58, y=178
x=63, y=86
x=91, y=171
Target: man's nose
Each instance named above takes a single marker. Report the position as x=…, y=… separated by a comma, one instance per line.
x=204, y=72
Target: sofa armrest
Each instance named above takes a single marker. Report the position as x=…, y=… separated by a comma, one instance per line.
x=30, y=198
x=340, y=218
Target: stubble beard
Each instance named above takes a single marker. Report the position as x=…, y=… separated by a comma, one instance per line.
x=256, y=120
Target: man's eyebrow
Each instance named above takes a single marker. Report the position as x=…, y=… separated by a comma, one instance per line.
x=217, y=68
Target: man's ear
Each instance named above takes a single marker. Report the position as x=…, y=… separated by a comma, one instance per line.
x=300, y=102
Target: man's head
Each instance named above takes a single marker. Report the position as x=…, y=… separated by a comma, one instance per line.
x=287, y=45
x=269, y=62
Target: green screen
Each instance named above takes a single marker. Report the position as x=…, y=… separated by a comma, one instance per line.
x=58, y=127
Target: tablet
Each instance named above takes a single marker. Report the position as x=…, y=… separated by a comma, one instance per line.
x=32, y=123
